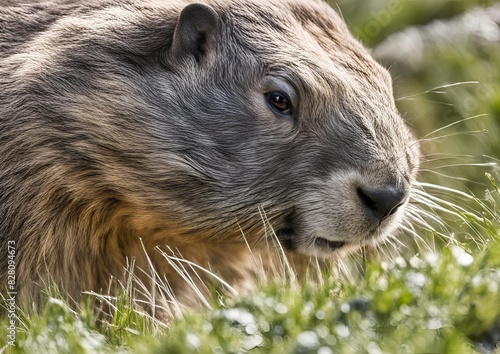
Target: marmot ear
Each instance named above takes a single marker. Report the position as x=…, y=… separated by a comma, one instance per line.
x=195, y=31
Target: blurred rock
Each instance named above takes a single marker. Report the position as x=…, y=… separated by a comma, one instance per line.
x=407, y=48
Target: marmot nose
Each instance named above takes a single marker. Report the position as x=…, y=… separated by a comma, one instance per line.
x=382, y=201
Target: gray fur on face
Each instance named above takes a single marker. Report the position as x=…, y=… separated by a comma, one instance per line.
x=133, y=120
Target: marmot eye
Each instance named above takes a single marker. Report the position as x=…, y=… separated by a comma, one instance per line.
x=279, y=103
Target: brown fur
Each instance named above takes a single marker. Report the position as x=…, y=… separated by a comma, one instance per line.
x=127, y=125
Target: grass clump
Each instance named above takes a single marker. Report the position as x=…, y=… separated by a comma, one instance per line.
x=439, y=303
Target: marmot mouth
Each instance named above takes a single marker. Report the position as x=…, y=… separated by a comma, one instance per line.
x=322, y=243
x=287, y=238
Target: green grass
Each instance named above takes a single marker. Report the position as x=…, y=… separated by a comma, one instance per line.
x=442, y=301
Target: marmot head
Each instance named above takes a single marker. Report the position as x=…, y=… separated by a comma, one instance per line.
x=292, y=115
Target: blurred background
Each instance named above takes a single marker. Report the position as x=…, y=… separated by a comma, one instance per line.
x=444, y=57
